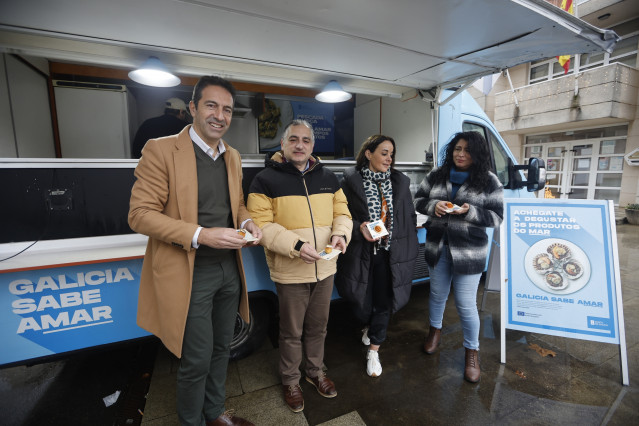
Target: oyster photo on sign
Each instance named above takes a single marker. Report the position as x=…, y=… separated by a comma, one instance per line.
x=573, y=269
x=555, y=280
x=557, y=266
x=542, y=263
x=558, y=251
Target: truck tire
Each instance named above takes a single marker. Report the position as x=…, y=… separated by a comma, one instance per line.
x=247, y=338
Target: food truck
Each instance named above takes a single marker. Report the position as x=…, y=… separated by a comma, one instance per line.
x=69, y=263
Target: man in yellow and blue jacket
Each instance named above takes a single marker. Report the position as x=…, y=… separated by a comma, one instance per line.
x=301, y=209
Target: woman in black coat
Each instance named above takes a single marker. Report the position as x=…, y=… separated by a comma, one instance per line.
x=376, y=274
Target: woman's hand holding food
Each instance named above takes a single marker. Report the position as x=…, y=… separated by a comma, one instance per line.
x=444, y=207
x=366, y=233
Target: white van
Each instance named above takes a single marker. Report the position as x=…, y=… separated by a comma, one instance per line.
x=69, y=264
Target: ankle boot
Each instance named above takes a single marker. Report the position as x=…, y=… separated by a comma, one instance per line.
x=472, y=371
x=433, y=340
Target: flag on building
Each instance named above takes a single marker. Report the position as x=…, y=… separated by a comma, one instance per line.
x=564, y=60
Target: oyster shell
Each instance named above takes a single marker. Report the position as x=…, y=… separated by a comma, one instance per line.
x=559, y=251
x=554, y=280
x=573, y=269
x=542, y=263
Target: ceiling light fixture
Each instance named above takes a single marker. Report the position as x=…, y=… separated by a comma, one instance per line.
x=603, y=17
x=154, y=73
x=333, y=93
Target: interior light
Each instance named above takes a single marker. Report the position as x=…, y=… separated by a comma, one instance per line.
x=154, y=73
x=603, y=17
x=333, y=93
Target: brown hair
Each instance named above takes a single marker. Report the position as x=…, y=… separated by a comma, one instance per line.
x=371, y=144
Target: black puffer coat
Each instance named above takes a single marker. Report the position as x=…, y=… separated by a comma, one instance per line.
x=353, y=267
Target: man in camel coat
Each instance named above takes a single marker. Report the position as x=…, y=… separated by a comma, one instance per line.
x=188, y=199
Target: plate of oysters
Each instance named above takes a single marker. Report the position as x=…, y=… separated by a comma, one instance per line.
x=557, y=266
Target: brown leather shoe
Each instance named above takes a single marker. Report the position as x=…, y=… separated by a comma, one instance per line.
x=323, y=384
x=293, y=397
x=228, y=419
x=433, y=340
x=472, y=371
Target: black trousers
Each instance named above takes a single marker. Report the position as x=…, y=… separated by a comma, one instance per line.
x=379, y=295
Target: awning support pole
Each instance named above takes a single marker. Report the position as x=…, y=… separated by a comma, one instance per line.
x=512, y=89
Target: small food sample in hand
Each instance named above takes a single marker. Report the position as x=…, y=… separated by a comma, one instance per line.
x=246, y=235
x=329, y=252
x=377, y=229
x=450, y=207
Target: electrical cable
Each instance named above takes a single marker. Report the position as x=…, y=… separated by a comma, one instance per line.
x=44, y=231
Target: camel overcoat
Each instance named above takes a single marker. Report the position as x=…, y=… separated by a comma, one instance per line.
x=164, y=206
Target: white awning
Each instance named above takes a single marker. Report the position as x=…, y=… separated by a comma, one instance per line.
x=380, y=47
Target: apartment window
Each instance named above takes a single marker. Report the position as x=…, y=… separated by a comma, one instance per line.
x=548, y=69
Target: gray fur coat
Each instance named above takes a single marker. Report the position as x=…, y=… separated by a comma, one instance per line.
x=466, y=233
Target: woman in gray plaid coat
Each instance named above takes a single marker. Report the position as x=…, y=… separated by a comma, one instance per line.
x=461, y=199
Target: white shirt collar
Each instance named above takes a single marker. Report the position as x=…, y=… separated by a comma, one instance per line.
x=214, y=154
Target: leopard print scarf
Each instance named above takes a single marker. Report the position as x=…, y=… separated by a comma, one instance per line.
x=376, y=186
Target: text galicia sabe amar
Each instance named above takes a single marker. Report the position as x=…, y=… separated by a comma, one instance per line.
x=63, y=300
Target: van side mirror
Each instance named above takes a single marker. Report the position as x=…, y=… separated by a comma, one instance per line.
x=536, y=169
x=536, y=174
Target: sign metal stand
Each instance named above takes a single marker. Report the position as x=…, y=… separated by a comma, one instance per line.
x=559, y=272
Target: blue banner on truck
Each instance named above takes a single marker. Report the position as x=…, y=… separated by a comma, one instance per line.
x=49, y=311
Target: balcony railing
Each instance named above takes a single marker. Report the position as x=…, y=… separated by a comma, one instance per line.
x=601, y=96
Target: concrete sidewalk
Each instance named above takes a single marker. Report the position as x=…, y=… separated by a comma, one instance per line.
x=581, y=385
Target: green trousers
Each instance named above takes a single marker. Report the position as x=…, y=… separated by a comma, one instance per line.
x=201, y=375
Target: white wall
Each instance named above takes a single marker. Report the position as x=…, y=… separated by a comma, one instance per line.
x=409, y=123
x=31, y=114
x=7, y=136
x=93, y=123
x=366, y=121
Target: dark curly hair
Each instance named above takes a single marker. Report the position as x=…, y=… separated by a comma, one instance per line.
x=479, y=169
x=370, y=144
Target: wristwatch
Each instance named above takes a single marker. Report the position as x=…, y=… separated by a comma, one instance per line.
x=298, y=245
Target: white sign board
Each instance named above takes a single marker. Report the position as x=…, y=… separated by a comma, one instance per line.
x=560, y=271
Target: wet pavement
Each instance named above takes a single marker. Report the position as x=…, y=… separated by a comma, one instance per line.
x=580, y=385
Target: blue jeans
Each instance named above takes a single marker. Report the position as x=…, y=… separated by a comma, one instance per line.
x=465, y=288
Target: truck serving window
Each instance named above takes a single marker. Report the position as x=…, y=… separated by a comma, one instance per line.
x=498, y=154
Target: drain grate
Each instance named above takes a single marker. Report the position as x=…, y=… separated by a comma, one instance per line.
x=130, y=405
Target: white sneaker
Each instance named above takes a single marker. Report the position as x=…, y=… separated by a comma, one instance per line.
x=373, y=367
x=365, y=339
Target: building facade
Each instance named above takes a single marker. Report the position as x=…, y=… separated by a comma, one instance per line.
x=584, y=122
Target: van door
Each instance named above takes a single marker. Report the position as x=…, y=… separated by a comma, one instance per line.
x=499, y=153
